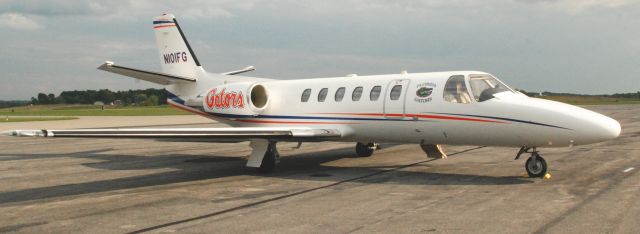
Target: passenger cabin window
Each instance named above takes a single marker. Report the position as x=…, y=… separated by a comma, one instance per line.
x=305, y=95
x=357, y=94
x=322, y=95
x=375, y=93
x=456, y=91
x=339, y=94
x=395, y=92
x=485, y=86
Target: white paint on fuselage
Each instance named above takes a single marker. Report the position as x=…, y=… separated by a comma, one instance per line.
x=509, y=119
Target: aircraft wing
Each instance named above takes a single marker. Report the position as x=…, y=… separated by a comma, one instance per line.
x=154, y=77
x=209, y=134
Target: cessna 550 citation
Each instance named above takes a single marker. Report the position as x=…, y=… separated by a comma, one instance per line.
x=455, y=108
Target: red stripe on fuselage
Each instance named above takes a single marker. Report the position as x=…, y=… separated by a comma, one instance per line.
x=419, y=116
x=289, y=122
x=171, y=103
x=164, y=26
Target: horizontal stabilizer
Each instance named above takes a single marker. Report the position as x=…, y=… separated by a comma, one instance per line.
x=243, y=70
x=154, y=77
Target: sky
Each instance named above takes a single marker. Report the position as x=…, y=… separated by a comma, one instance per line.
x=577, y=46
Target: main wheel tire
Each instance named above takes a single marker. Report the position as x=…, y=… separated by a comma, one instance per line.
x=364, y=150
x=270, y=160
x=536, y=166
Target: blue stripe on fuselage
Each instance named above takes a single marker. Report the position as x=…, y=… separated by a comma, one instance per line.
x=162, y=22
x=501, y=118
x=174, y=98
x=234, y=116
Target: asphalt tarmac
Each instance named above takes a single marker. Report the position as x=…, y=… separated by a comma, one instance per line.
x=57, y=185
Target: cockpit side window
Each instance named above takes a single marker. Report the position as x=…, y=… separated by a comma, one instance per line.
x=456, y=90
x=485, y=86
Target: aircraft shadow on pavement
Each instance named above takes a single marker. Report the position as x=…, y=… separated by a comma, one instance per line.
x=199, y=167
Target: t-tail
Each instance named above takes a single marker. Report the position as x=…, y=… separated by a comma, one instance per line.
x=176, y=55
x=180, y=68
x=181, y=73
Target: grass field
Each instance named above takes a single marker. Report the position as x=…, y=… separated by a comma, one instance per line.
x=591, y=100
x=90, y=110
x=12, y=119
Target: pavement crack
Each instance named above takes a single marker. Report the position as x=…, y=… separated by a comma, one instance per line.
x=17, y=227
x=616, y=179
x=254, y=204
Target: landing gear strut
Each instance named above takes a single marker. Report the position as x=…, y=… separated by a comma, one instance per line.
x=433, y=151
x=536, y=166
x=365, y=150
x=271, y=158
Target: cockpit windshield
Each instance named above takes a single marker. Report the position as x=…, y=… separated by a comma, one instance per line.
x=485, y=86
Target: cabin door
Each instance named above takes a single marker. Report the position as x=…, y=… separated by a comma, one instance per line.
x=394, y=99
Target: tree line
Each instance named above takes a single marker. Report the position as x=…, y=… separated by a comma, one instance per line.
x=146, y=97
x=615, y=95
x=12, y=103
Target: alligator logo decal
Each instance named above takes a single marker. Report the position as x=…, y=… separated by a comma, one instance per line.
x=424, y=91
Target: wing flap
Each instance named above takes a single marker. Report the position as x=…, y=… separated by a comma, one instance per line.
x=224, y=134
x=154, y=77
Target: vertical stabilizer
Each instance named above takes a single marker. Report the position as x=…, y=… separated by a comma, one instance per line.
x=176, y=55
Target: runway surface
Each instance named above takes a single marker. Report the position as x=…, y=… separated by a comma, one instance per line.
x=122, y=186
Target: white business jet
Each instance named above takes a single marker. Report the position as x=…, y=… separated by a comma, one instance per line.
x=429, y=109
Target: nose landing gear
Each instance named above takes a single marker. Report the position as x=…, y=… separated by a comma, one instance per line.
x=536, y=166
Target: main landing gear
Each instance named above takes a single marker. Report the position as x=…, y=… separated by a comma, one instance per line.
x=365, y=150
x=536, y=166
x=271, y=158
x=264, y=155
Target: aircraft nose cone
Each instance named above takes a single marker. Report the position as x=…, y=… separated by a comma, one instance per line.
x=598, y=128
x=579, y=126
x=610, y=128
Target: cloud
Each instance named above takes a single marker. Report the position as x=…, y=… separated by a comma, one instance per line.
x=18, y=21
x=208, y=9
x=123, y=9
x=581, y=6
x=557, y=45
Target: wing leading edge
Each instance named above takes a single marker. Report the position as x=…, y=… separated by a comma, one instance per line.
x=212, y=134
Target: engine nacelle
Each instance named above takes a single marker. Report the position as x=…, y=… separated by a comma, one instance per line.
x=237, y=99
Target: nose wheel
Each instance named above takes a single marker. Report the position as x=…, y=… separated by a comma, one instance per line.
x=536, y=166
